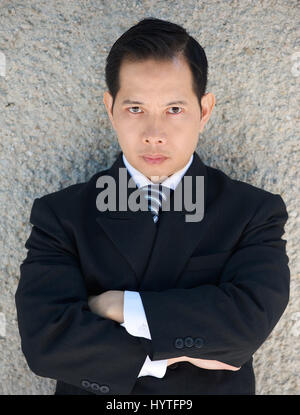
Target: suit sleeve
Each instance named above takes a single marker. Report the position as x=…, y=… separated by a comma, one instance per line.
x=60, y=337
x=228, y=322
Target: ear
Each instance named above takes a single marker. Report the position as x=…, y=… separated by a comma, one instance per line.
x=207, y=102
x=108, y=101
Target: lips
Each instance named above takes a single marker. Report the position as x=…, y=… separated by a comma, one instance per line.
x=154, y=158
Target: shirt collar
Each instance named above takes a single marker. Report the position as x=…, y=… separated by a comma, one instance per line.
x=142, y=180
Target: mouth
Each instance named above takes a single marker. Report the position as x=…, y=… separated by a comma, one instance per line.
x=154, y=159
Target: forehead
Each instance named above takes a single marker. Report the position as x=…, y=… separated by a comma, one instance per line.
x=150, y=74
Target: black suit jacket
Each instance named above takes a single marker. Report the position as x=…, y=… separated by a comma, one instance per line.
x=212, y=289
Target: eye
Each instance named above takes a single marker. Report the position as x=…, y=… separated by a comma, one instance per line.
x=133, y=112
x=176, y=112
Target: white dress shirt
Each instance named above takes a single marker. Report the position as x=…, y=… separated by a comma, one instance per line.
x=135, y=321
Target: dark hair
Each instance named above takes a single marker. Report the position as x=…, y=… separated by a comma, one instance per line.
x=161, y=40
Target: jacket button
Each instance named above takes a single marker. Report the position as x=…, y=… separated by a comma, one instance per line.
x=104, y=388
x=95, y=386
x=85, y=383
x=199, y=342
x=189, y=342
x=179, y=343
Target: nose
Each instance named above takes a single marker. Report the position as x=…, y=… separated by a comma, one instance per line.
x=153, y=133
x=154, y=140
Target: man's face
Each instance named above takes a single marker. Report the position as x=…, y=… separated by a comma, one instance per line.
x=158, y=125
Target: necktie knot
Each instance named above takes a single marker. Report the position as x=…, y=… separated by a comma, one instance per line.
x=155, y=194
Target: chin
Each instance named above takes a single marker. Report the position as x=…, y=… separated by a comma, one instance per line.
x=153, y=173
x=153, y=170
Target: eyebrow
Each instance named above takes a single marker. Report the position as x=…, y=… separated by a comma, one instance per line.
x=128, y=101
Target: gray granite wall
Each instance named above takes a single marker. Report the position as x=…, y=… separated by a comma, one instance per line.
x=54, y=130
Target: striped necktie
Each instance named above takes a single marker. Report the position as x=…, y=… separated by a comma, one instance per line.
x=155, y=193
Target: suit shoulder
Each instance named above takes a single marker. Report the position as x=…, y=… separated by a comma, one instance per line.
x=239, y=190
x=72, y=195
x=63, y=195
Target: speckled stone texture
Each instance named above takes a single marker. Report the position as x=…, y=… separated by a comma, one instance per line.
x=55, y=131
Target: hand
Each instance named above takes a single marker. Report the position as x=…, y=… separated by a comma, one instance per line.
x=109, y=304
x=176, y=359
x=203, y=363
x=212, y=364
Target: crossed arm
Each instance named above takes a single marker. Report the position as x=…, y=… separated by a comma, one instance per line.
x=237, y=315
x=110, y=304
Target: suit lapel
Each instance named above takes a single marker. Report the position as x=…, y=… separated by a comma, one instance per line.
x=158, y=252
x=131, y=232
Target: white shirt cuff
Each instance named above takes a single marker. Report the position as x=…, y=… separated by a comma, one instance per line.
x=135, y=321
x=156, y=368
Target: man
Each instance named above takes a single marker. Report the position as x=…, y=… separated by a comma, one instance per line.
x=126, y=301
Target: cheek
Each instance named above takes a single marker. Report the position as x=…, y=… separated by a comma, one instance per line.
x=127, y=140
x=125, y=127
